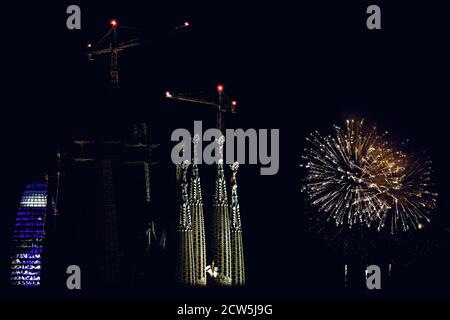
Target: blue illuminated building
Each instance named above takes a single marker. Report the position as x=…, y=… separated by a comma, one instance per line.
x=28, y=236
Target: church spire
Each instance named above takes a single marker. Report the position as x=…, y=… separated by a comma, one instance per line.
x=198, y=224
x=237, y=249
x=221, y=224
x=185, y=272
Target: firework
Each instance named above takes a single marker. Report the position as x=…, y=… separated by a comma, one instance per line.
x=357, y=176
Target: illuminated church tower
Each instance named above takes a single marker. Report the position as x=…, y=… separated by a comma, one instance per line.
x=198, y=223
x=221, y=225
x=185, y=271
x=237, y=248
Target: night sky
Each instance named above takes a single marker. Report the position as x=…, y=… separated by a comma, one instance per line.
x=296, y=68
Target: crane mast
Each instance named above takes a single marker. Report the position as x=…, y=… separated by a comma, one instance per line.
x=114, y=49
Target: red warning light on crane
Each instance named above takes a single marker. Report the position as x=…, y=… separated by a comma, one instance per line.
x=220, y=88
x=186, y=23
x=233, y=104
x=113, y=23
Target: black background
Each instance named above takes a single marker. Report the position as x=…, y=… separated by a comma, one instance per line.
x=295, y=67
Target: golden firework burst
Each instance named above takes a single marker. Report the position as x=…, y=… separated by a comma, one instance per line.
x=359, y=176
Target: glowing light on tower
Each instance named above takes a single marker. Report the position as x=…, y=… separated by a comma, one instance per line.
x=28, y=236
x=113, y=23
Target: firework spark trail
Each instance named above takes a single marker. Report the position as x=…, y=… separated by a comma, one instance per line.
x=359, y=176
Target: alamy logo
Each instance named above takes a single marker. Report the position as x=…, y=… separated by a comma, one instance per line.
x=74, y=279
x=73, y=21
x=374, y=20
x=235, y=142
x=373, y=277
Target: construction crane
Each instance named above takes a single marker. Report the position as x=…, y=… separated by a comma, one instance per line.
x=115, y=48
x=222, y=104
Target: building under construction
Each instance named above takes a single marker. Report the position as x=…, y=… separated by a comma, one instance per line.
x=227, y=265
x=227, y=252
x=107, y=223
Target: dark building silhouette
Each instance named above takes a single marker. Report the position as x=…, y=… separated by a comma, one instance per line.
x=106, y=222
